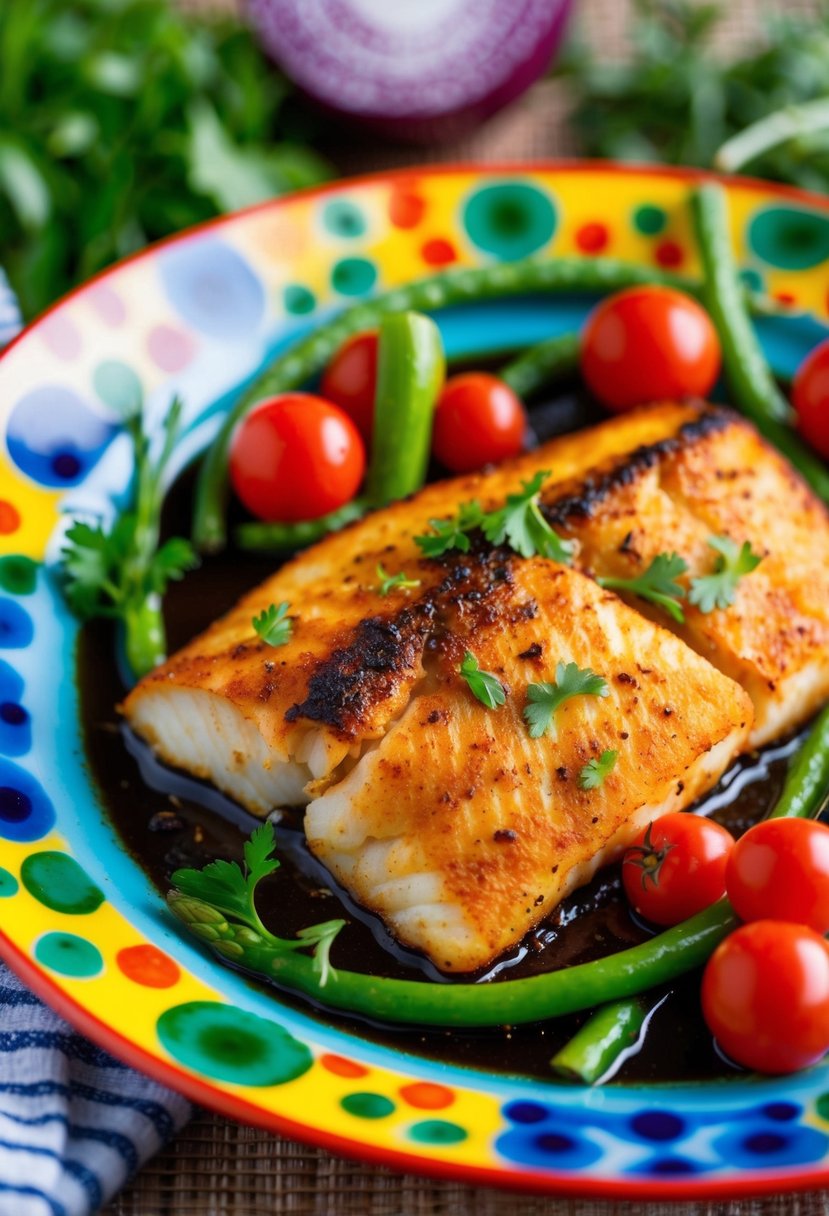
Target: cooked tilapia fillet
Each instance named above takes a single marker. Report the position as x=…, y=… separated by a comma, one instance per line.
x=717, y=477
x=461, y=830
x=337, y=710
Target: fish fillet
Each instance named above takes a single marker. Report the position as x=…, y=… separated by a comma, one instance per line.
x=362, y=717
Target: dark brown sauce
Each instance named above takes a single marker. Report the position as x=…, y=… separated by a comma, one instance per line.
x=167, y=820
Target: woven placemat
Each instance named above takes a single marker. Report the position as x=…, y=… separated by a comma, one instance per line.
x=219, y=1168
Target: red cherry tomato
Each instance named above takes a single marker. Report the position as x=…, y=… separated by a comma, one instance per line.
x=810, y=397
x=780, y=870
x=350, y=381
x=296, y=457
x=478, y=420
x=676, y=867
x=649, y=344
x=765, y=996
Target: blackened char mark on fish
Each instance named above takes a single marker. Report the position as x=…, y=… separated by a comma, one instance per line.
x=595, y=488
x=344, y=688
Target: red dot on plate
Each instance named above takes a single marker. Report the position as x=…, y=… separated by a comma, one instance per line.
x=668, y=253
x=148, y=966
x=9, y=518
x=592, y=238
x=785, y=297
x=427, y=1096
x=341, y=1067
x=406, y=208
x=438, y=252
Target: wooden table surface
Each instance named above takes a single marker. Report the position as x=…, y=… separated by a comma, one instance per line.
x=219, y=1168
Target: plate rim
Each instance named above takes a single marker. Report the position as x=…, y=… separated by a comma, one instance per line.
x=201, y=1091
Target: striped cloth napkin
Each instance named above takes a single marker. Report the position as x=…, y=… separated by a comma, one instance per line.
x=75, y=1123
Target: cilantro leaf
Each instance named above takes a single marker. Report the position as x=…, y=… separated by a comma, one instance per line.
x=545, y=698
x=656, y=584
x=451, y=533
x=170, y=563
x=482, y=684
x=226, y=886
x=718, y=590
x=273, y=625
x=592, y=775
x=391, y=582
x=521, y=525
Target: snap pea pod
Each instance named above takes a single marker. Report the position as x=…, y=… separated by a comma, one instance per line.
x=411, y=368
x=278, y=538
x=542, y=364
x=460, y=286
x=597, y=1045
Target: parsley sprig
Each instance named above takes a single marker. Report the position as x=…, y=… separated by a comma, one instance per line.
x=657, y=584
x=273, y=625
x=519, y=524
x=544, y=699
x=394, y=582
x=120, y=570
x=482, y=684
x=218, y=905
x=592, y=775
x=719, y=589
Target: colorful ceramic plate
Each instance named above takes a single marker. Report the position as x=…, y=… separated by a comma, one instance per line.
x=80, y=922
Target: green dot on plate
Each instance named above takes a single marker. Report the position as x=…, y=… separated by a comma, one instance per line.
x=58, y=882
x=511, y=220
x=343, y=218
x=822, y=1106
x=8, y=884
x=649, y=220
x=18, y=574
x=789, y=238
x=298, y=299
x=231, y=1044
x=752, y=279
x=437, y=1131
x=118, y=387
x=69, y=954
x=367, y=1106
x=353, y=276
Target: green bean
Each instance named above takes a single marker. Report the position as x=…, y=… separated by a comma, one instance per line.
x=749, y=375
x=460, y=286
x=411, y=368
x=512, y=1002
x=287, y=538
x=597, y=1045
x=542, y=364
x=807, y=780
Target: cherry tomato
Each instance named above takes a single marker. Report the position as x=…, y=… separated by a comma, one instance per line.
x=765, y=996
x=810, y=398
x=478, y=420
x=649, y=344
x=676, y=867
x=780, y=870
x=296, y=457
x=350, y=381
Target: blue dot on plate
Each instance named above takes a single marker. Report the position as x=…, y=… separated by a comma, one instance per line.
x=15, y=726
x=761, y=1146
x=658, y=1125
x=669, y=1167
x=16, y=628
x=559, y=1149
x=55, y=438
x=213, y=288
x=26, y=813
x=525, y=1112
x=781, y=1112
